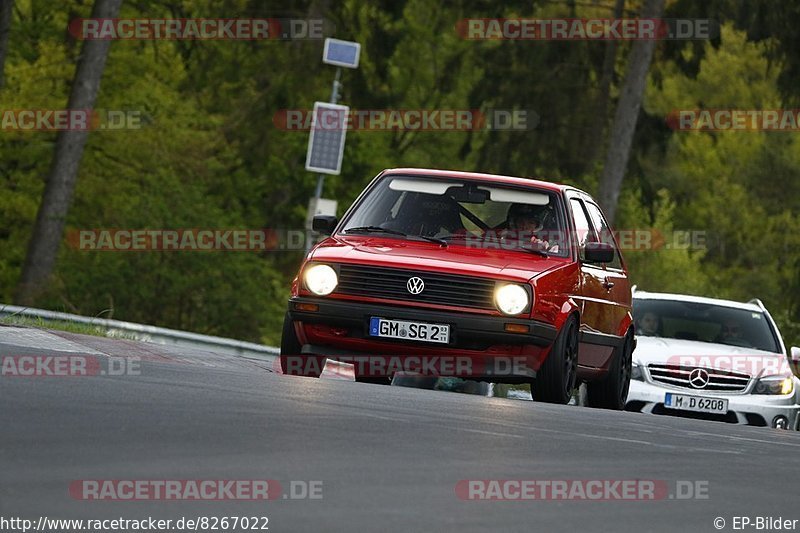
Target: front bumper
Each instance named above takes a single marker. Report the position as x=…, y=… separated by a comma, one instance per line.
x=748, y=409
x=339, y=329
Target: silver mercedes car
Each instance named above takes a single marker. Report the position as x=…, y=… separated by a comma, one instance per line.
x=713, y=360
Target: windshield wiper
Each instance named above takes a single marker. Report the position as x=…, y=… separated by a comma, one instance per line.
x=378, y=229
x=437, y=240
x=534, y=251
x=448, y=238
x=374, y=229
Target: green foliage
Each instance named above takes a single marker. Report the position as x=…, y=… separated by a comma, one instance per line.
x=208, y=154
x=670, y=264
x=739, y=186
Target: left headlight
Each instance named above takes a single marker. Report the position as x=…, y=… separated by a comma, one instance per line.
x=511, y=299
x=774, y=385
x=320, y=279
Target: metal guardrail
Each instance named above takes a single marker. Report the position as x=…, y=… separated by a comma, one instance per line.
x=145, y=333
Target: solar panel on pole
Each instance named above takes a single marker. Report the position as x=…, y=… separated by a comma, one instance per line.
x=341, y=53
x=326, y=142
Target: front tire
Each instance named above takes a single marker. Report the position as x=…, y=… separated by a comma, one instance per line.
x=292, y=362
x=557, y=376
x=612, y=392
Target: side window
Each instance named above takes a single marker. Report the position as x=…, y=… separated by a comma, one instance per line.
x=604, y=230
x=582, y=227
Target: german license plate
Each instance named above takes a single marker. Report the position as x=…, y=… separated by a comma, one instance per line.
x=408, y=330
x=697, y=404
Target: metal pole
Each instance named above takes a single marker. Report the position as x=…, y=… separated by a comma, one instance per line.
x=321, y=177
x=336, y=86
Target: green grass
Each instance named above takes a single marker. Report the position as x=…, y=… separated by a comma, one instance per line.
x=501, y=389
x=59, y=325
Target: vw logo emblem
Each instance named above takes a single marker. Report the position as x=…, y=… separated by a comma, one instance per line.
x=415, y=285
x=698, y=378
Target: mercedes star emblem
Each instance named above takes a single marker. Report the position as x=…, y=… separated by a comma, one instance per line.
x=698, y=378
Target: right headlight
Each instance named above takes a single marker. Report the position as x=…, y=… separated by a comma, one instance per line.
x=511, y=299
x=774, y=385
x=320, y=279
x=636, y=372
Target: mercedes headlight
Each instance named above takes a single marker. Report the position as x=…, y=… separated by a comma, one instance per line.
x=320, y=279
x=774, y=385
x=511, y=299
x=636, y=372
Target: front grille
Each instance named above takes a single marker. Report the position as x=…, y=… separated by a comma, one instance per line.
x=390, y=283
x=718, y=380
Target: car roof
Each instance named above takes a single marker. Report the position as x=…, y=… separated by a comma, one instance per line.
x=642, y=295
x=494, y=178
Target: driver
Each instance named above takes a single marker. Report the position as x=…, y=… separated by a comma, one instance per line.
x=731, y=332
x=527, y=224
x=649, y=325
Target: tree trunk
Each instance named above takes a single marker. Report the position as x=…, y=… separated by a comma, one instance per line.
x=630, y=101
x=60, y=185
x=599, y=120
x=5, y=28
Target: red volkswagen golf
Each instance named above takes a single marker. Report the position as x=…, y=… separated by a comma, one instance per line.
x=484, y=277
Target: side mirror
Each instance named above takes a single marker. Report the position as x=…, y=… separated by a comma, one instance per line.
x=598, y=252
x=324, y=224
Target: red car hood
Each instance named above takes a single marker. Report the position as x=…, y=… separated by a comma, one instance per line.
x=456, y=258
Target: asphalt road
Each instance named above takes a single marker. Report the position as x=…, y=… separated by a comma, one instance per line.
x=389, y=458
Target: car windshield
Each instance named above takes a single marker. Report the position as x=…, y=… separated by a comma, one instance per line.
x=703, y=322
x=479, y=215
